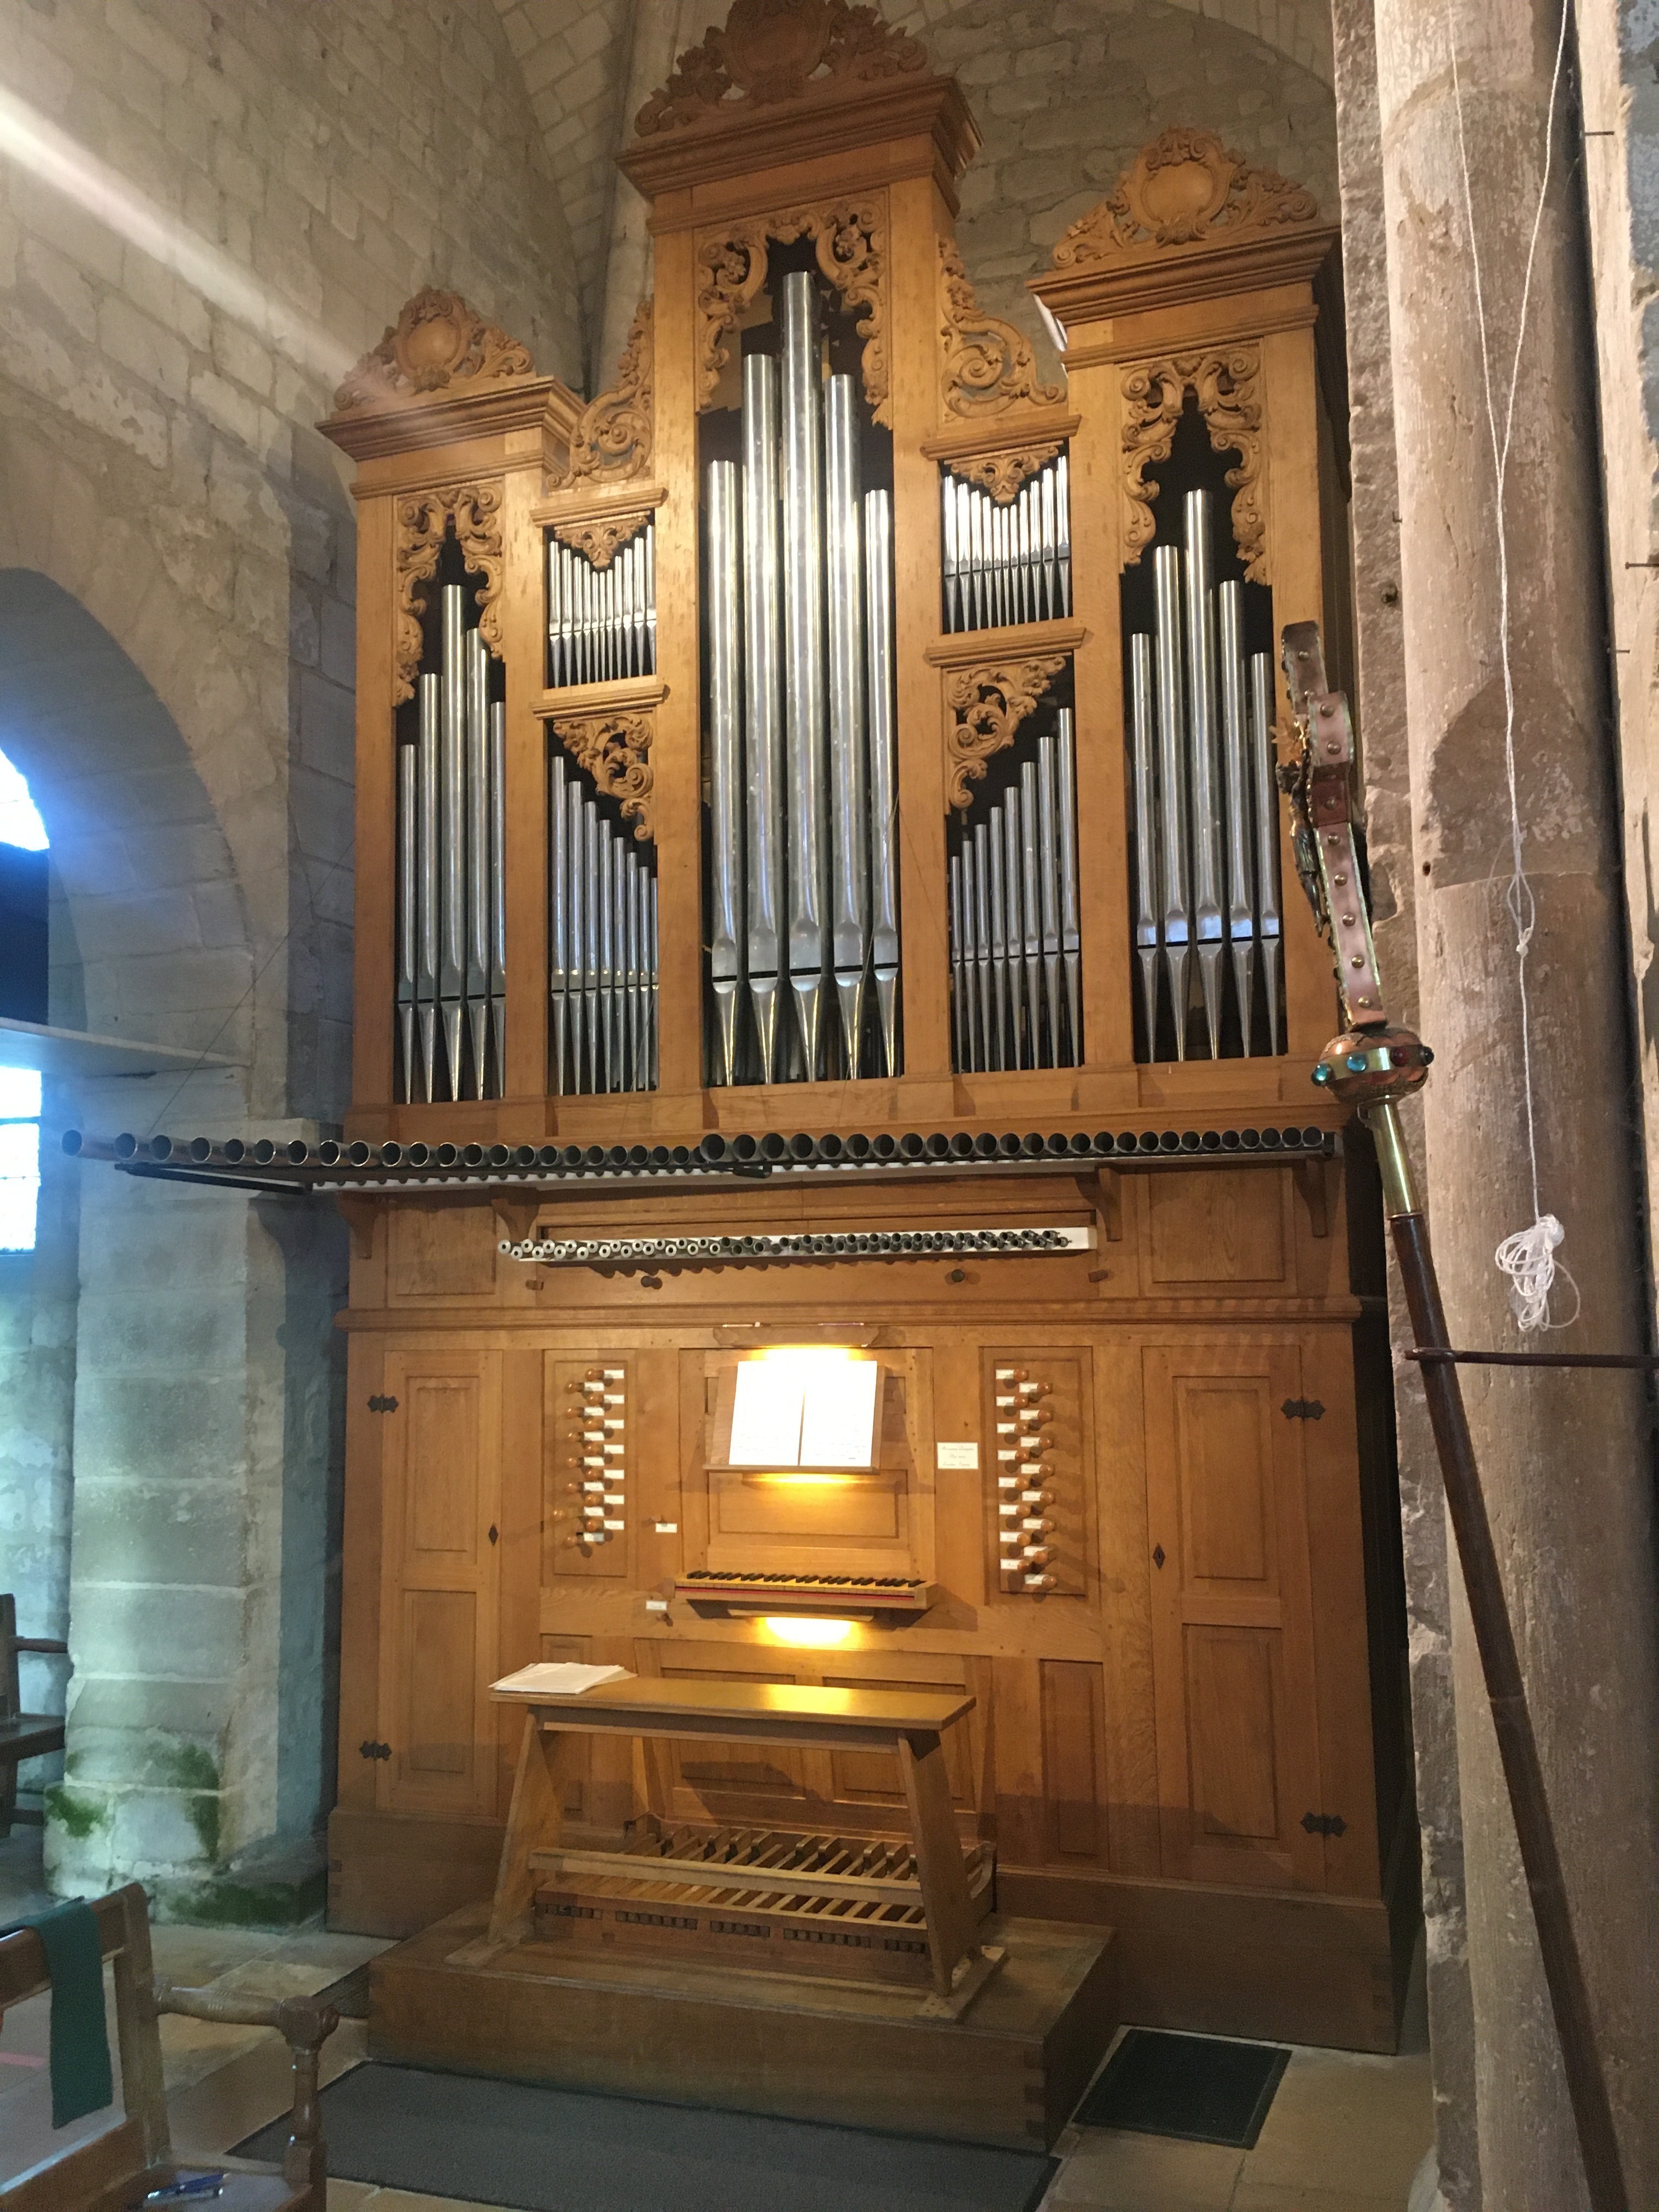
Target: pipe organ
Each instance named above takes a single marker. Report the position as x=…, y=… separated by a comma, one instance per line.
x=820, y=933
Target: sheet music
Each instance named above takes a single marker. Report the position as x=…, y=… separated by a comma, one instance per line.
x=561, y=1678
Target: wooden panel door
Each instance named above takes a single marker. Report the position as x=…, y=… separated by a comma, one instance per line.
x=440, y=1488
x=1232, y=1632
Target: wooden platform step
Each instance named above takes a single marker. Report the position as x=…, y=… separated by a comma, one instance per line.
x=683, y=2031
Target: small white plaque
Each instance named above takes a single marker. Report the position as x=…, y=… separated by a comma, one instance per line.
x=667, y=1529
x=958, y=1456
x=656, y=1605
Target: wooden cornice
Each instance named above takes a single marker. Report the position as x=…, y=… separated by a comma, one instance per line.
x=418, y=424
x=839, y=119
x=1180, y=276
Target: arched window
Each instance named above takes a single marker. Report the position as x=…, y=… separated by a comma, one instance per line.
x=23, y=999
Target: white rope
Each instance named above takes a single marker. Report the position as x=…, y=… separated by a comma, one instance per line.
x=1527, y=1258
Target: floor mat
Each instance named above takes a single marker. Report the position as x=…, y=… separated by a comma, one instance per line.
x=1196, y=2086
x=558, y=2150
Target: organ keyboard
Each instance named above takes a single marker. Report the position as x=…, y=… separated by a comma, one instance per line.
x=887, y=1594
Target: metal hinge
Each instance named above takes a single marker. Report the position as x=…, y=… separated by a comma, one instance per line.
x=1302, y=1409
x=383, y=1405
x=1324, y=1824
x=375, y=1750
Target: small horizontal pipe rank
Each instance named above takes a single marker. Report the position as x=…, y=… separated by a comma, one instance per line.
x=1016, y=976
x=1007, y=561
x=451, y=903
x=602, y=944
x=1205, y=806
x=602, y=623
x=871, y=1244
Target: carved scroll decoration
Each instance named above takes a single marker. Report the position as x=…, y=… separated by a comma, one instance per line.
x=989, y=365
x=990, y=701
x=437, y=344
x=1183, y=189
x=615, y=749
x=612, y=440
x=1002, y=474
x=773, y=51
x=423, y=519
x=1227, y=385
x=851, y=240
x=599, y=539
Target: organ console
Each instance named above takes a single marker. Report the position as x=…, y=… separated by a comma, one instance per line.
x=819, y=892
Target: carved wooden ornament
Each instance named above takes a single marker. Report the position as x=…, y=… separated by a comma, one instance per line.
x=987, y=364
x=615, y=749
x=438, y=343
x=1227, y=385
x=1185, y=189
x=423, y=519
x=851, y=238
x=1002, y=474
x=989, y=703
x=612, y=440
x=599, y=539
x=773, y=51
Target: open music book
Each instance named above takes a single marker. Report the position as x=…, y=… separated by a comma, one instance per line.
x=561, y=1678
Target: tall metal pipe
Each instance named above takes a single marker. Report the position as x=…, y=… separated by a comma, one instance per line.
x=1071, y=910
x=805, y=709
x=1048, y=886
x=558, y=935
x=1172, y=782
x=451, y=836
x=409, y=769
x=763, y=765
x=849, y=766
x=1031, y=901
x=1235, y=747
x=725, y=762
x=427, y=880
x=589, y=877
x=948, y=542
x=1002, y=879
x=972, y=1055
x=958, y=972
x=884, y=768
x=498, y=892
x=1050, y=543
x=1264, y=756
x=1063, y=529
x=983, y=938
x=1208, y=928
x=655, y=942
x=650, y=583
x=478, y=859
x=1142, y=711
x=1005, y=825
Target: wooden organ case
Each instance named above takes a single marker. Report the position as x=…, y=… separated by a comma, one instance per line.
x=821, y=888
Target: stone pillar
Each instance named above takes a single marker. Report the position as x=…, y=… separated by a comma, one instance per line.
x=1565, y=1455
x=1380, y=708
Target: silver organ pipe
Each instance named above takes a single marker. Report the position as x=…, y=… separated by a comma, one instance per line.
x=721, y=537
x=1007, y=562
x=764, y=772
x=558, y=931
x=1071, y=904
x=1264, y=756
x=1204, y=804
x=800, y=736
x=1014, y=915
x=884, y=768
x=602, y=623
x=451, y=914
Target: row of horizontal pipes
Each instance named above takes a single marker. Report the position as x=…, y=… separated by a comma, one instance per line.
x=602, y=622
x=1013, y=912
x=1205, y=802
x=714, y=1154
x=602, y=932
x=1007, y=561
x=803, y=890
x=451, y=898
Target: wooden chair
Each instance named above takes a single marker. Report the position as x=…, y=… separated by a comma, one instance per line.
x=22, y=1735
x=113, y=2170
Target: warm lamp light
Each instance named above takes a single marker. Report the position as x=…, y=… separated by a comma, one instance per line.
x=806, y=1633
x=800, y=1479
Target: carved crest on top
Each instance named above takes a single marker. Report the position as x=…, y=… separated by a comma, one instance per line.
x=773, y=51
x=1185, y=187
x=437, y=343
x=612, y=441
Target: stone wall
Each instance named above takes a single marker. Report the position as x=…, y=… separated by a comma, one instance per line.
x=206, y=215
